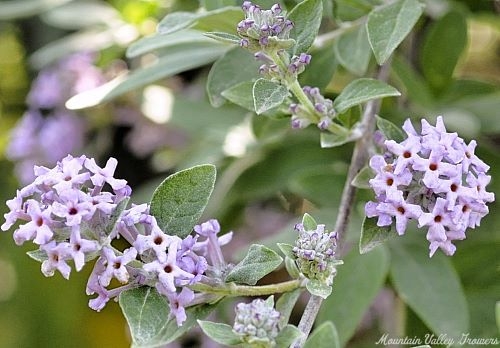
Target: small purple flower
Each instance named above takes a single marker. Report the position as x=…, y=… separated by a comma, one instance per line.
x=102, y=175
x=80, y=247
x=39, y=228
x=115, y=265
x=73, y=207
x=177, y=302
x=57, y=255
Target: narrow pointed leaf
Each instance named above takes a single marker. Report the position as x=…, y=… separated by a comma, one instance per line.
x=387, y=26
x=431, y=287
x=171, y=64
x=223, y=37
x=286, y=303
x=267, y=95
x=373, y=235
x=179, y=201
x=353, y=51
x=306, y=17
x=324, y=336
x=156, y=42
x=362, y=90
x=258, y=262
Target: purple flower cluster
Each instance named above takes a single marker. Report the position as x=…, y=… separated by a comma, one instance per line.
x=315, y=252
x=324, y=113
x=68, y=213
x=434, y=178
x=272, y=71
x=37, y=137
x=259, y=26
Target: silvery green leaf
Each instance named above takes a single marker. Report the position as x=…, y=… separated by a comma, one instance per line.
x=353, y=51
x=306, y=17
x=267, y=95
x=258, y=262
x=179, y=201
x=361, y=180
x=324, y=336
x=220, y=333
x=318, y=288
x=373, y=235
x=309, y=223
x=388, y=25
x=390, y=130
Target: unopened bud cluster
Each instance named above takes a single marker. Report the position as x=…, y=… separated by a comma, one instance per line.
x=257, y=322
x=323, y=113
x=434, y=178
x=262, y=28
x=315, y=252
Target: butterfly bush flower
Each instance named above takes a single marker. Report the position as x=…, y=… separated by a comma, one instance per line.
x=323, y=113
x=315, y=253
x=257, y=322
x=434, y=178
x=73, y=213
x=48, y=131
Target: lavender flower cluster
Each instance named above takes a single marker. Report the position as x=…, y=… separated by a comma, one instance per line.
x=434, y=178
x=315, y=252
x=36, y=139
x=69, y=215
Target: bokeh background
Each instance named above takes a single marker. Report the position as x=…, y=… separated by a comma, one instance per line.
x=268, y=174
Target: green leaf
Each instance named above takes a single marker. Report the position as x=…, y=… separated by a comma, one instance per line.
x=431, y=287
x=333, y=140
x=223, y=20
x=387, y=26
x=241, y=94
x=353, y=51
x=355, y=286
x=223, y=37
x=69, y=16
x=318, y=288
x=215, y=4
x=442, y=47
x=267, y=95
x=350, y=10
x=179, y=201
x=373, y=235
x=38, y=255
x=258, y=262
x=233, y=68
x=306, y=17
x=286, y=249
x=287, y=336
x=171, y=64
x=361, y=180
x=220, y=333
x=390, y=130
x=147, y=314
x=309, y=223
x=156, y=42
x=362, y=90
x=324, y=336
x=285, y=304
x=291, y=267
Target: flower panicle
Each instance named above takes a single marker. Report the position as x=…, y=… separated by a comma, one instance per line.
x=434, y=178
x=74, y=211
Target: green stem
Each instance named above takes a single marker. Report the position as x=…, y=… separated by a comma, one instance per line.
x=324, y=39
x=299, y=93
x=232, y=289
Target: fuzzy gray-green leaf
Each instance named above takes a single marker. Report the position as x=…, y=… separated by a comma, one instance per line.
x=306, y=17
x=258, y=262
x=267, y=95
x=373, y=235
x=179, y=201
x=220, y=333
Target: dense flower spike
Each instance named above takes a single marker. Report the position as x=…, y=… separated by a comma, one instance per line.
x=257, y=322
x=434, y=178
x=71, y=217
x=315, y=252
